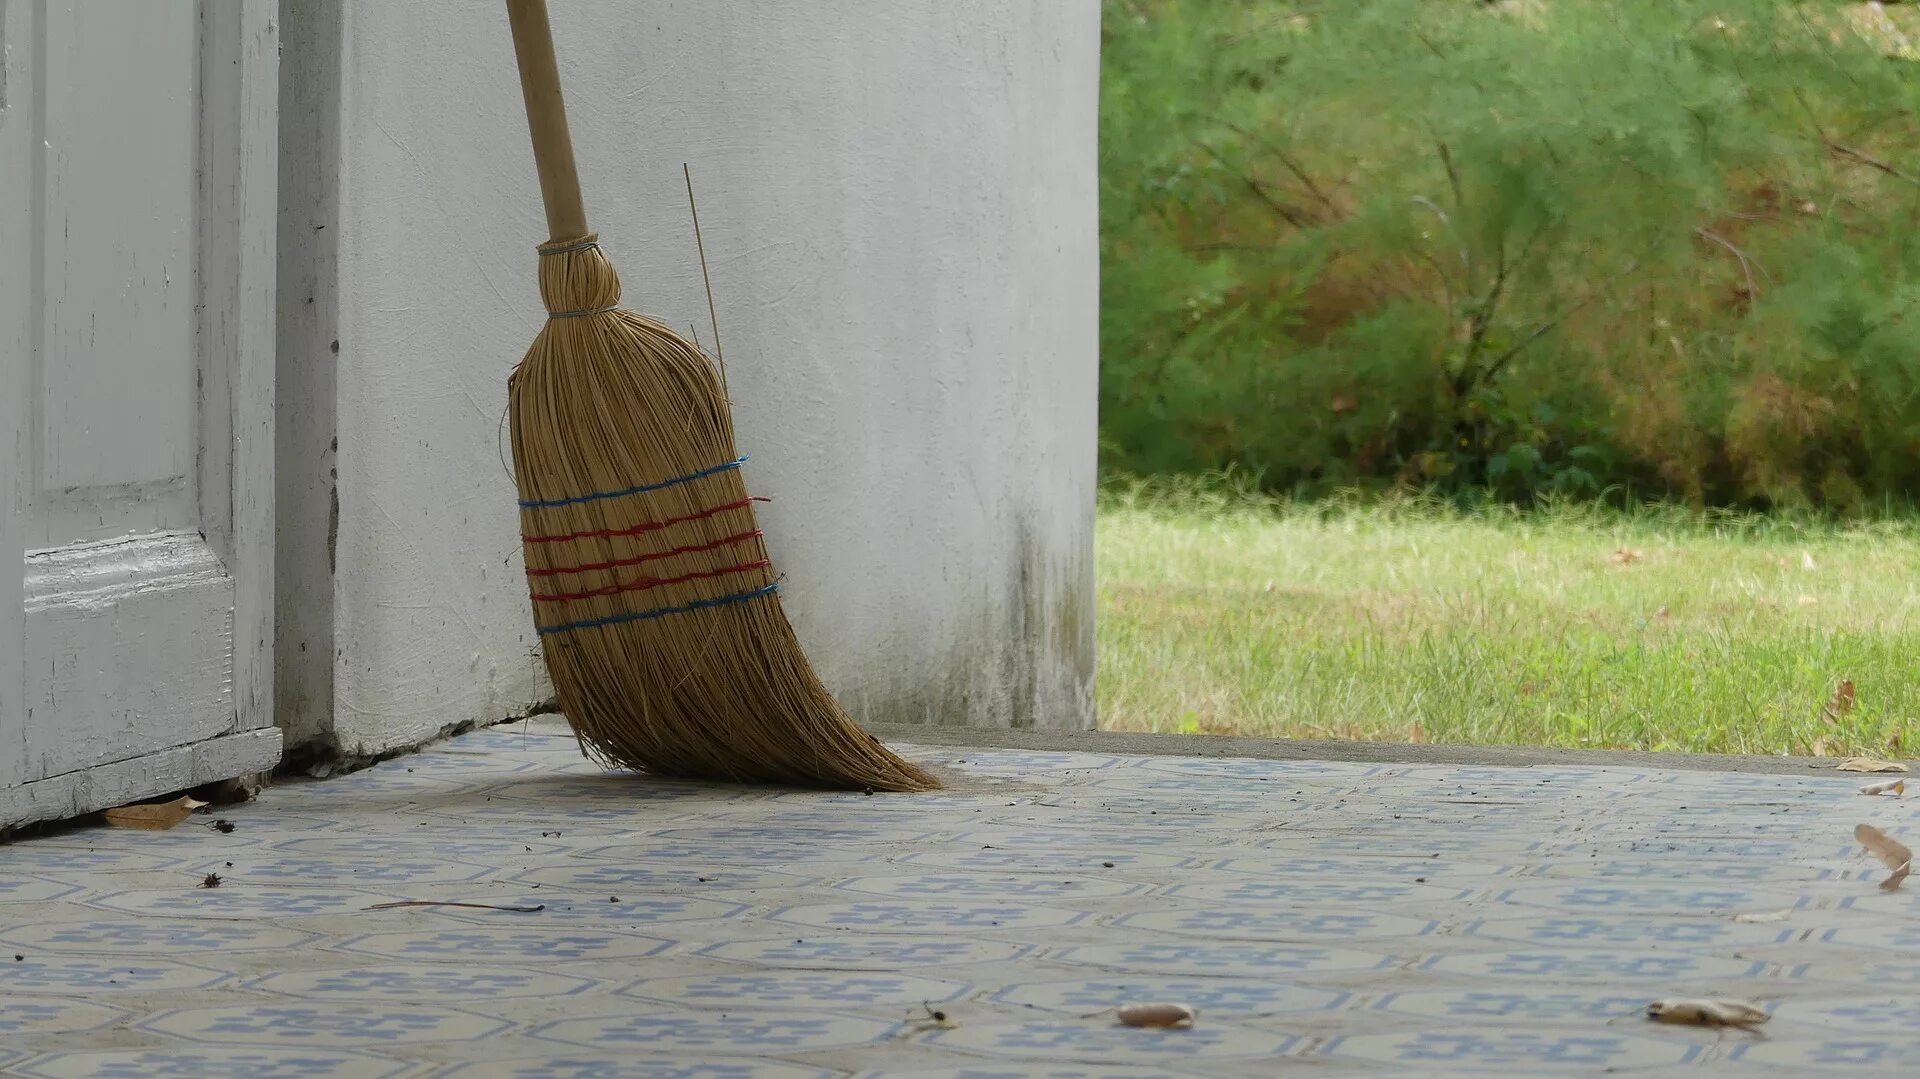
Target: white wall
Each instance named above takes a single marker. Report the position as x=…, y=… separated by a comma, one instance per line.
x=898, y=200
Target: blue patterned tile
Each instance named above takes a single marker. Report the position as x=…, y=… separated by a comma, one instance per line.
x=1360, y=866
x=502, y=944
x=213, y=1062
x=1597, y=931
x=21, y=1016
x=1238, y=959
x=154, y=936
x=237, y=902
x=1529, y=1008
x=597, y=875
x=1028, y=1070
x=699, y=1032
x=1041, y=859
x=917, y=916
x=1042, y=839
x=485, y=852
x=1325, y=891
x=1588, y=966
x=1249, y=923
x=334, y=871
x=1891, y=1056
x=331, y=1025
x=30, y=856
x=1651, y=897
x=63, y=974
x=1086, y=1042
x=609, y=910
x=1233, y=997
x=1674, y=869
x=582, y=1066
x=798, y=988
x=723, y=854
x=840, y=951
x=1890, y=1014
x=422, y=983
x=974, y=886
x=18, y=889
x=1019, y=763
x=1494, y=1052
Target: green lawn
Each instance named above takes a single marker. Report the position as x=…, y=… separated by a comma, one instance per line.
x=1227, y=614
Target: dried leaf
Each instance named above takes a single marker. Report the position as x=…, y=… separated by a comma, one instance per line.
x=1821, y=748
x=1708, y=1013
x=1808, y=601
x=1840, y=703
x=1870, y=764
x=211, y=880
x=1157, y=1015
x=1626, y=556
x=154, y=816
x=1892, y=853
x=1806, y=561
x=1764, y=916
x=1897, y=788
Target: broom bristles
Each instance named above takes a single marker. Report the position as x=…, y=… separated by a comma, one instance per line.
x=657, y=605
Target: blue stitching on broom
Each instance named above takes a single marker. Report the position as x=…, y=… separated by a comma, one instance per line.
x=661, y=612
x=534, y=503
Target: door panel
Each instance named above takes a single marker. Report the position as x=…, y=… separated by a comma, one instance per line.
x=137, y=182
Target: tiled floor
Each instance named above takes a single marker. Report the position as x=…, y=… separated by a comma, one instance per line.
x=1327, y=920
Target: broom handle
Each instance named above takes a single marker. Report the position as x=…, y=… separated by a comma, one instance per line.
x=547, y=120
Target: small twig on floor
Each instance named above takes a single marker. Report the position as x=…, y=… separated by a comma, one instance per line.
x=451, y=903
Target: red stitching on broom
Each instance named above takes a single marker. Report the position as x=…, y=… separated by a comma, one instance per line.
x=590, y=567
x=643, y=583
x=650, y=526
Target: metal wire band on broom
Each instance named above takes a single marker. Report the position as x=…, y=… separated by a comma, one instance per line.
x=535, y=503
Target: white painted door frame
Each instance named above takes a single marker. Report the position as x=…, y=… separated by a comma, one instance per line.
x=135, y=650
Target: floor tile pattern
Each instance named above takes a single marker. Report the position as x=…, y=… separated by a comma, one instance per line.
x=1328, y=919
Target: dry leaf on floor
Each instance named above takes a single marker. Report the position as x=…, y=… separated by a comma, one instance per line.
x=1626, y=556
x=1897, y=788
x=1708, y=1013
x=155, y=816
x=1869, y=764
x=1840, y=703
x=1892, y=853
x=1157, y=1015
x=1764, y=916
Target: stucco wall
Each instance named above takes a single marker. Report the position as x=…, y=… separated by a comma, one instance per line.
x=898, y=202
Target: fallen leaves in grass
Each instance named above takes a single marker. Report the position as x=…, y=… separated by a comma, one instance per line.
x=155, y=816
x=1897, y=788
x=1157, y=1015
x=1626, y=556
x=1870, y=764
x=1892, y=853
x=1840, y=703
x=1704, y=1012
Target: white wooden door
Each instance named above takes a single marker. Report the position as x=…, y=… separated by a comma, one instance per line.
x=137, y=192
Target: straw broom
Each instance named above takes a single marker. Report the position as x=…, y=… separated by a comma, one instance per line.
x=655, y=600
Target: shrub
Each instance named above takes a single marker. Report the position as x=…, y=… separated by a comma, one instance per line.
x=1526, y=248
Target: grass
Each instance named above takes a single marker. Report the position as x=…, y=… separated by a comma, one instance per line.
x=1228, y=613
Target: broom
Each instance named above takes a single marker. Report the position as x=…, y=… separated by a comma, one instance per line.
x=651, y=587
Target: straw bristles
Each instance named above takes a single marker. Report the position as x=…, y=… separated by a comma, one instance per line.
x=687, y=665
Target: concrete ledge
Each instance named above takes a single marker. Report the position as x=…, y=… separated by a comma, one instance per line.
x=1208, y=745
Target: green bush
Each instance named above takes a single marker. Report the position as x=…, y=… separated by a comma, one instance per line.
x=1660, y=247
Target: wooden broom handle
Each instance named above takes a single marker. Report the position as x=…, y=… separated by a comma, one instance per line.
x=547, y=119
